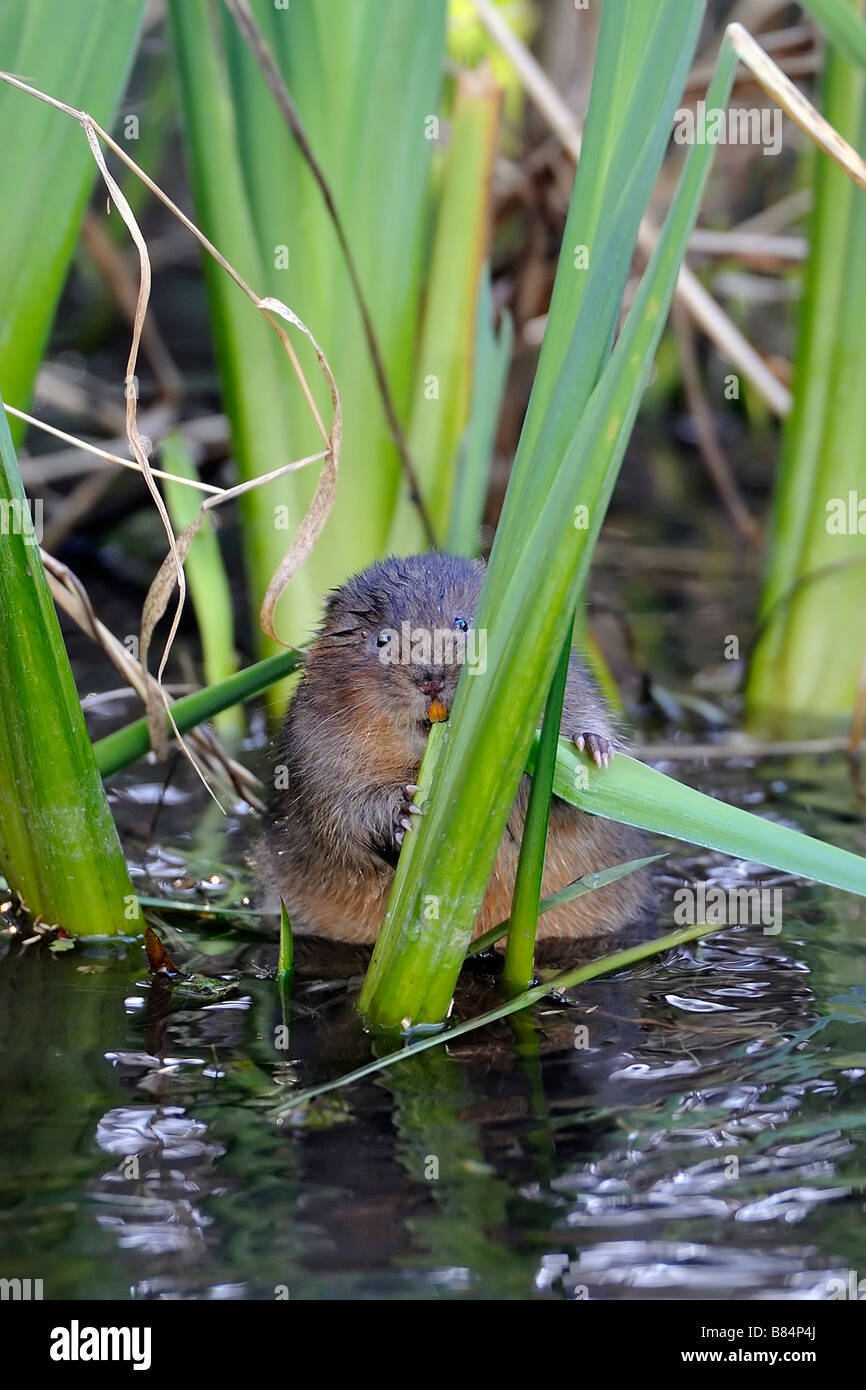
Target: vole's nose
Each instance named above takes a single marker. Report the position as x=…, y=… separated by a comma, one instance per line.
x=431, y=684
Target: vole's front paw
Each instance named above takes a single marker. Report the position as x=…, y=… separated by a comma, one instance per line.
x=406, y=809
x=599, y=747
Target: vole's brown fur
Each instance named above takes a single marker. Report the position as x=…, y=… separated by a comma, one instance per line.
x=351, y=747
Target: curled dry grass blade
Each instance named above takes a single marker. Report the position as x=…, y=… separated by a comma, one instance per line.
x=273, y=309
x=88, y=448
x=208, y=582
x=270, y=71
x=70, y=595
x=364, y=80
x=126, y=745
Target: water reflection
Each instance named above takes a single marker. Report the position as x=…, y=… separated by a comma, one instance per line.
x=694, y=1127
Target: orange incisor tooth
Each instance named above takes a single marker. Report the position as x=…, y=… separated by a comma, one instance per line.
x=437, y=713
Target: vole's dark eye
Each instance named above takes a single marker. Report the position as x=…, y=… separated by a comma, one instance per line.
x=461, y=624
x=383, y=639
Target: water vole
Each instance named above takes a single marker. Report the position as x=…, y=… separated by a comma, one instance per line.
x=385, y=662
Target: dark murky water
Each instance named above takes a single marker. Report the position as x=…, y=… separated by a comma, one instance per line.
x=708, y=1140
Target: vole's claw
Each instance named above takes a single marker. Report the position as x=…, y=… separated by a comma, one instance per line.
x=408, y=807
x=405, y=811
x=599, y=747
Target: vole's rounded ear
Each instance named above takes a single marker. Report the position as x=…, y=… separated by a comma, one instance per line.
x=329, y=607
x=334, y=612
x=347, y=606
